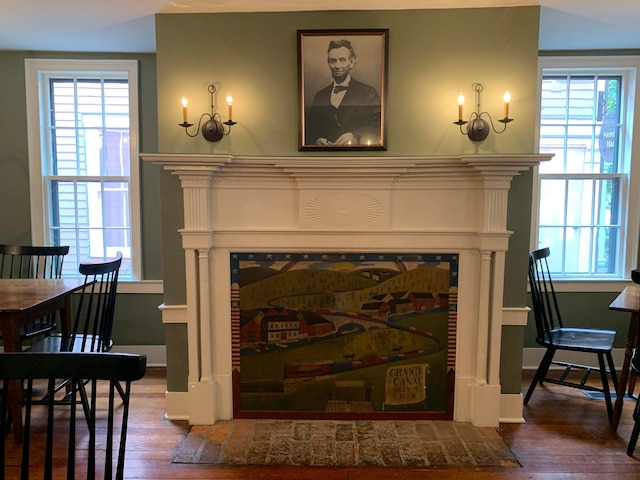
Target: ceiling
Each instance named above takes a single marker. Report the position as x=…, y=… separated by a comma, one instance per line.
x=128, y=25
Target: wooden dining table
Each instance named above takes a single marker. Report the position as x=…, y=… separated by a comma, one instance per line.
x=23, y=301
x=628, y=301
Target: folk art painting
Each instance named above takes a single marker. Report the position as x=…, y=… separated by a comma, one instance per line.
x=343, y=335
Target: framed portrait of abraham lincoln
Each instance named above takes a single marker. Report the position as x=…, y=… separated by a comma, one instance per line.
x=342, y=79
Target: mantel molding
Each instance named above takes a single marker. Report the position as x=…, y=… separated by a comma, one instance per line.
x=471, y=167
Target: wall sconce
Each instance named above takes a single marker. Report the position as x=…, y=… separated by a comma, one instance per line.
x=478, y=128
x=213, y=126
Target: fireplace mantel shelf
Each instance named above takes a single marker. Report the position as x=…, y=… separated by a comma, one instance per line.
x=504, y=165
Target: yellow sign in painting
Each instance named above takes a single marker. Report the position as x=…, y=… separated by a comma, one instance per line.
x=406, y=384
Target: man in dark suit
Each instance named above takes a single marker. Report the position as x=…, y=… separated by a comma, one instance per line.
x=347, y=112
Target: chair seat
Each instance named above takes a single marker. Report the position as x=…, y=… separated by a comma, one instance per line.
x=66, y=343
x=581, y=339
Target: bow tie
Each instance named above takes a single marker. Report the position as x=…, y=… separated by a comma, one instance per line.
x=340, y=88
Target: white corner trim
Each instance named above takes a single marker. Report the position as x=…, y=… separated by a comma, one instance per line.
x=173, y=313
x=515, y=316
x=145, y=286
x=177, y=406
x=511, y=408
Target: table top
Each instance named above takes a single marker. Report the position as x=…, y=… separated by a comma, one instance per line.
x=21, y=294
x=628, y=300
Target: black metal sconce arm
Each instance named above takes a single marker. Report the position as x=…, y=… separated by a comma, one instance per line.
x=210, y=124
x=478, y=128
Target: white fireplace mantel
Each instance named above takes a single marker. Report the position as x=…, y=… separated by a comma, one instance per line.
x=444, y=204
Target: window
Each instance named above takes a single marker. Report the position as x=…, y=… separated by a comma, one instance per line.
x=587, y=200
x=83, y=152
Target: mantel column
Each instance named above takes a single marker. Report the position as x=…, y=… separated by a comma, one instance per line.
x=487, y=388
x=196, y=241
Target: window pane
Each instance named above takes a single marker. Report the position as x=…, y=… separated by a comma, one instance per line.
x=552, y=198
x=554, y=100
x=581, y=99
x=556, y=164
x=553, y=238
x=579, y=204
x=577, y=248
x=117, y=159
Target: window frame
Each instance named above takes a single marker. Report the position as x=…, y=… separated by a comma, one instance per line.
x=629, y=68
x=37, y=72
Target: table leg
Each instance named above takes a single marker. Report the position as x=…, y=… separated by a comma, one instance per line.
x=621, y=391
x=11, y=342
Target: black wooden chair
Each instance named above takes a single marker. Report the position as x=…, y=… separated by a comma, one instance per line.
x=635, y=370
x=94, y=314
x=27, y=261
x=552, y=334
x=60, y=423
x=93, y=320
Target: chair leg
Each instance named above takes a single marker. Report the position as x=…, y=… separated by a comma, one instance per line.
x=121, y=391
x=541, y=373
x=605, y=386
x=636, y=429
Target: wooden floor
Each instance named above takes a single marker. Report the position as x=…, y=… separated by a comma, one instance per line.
x=566, y=436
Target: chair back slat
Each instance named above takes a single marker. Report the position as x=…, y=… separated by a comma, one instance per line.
x=27, y=261
x=115, y=368
x=546, y=310
x=93, y=323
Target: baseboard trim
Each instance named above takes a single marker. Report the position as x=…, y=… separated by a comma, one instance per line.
x=156, y=354
x=511, y=408
x=177, y=406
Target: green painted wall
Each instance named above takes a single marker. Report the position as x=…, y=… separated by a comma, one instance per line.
x=432, y=55
x=138, y=320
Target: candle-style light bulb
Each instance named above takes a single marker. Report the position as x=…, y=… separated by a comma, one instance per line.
x=229, y=102
x=507, y=99
x=185, y=102
x=460, y=103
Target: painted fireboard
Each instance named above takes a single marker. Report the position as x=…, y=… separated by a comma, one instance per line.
x=324, y=335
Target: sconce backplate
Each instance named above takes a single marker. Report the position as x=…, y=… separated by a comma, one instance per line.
x=213, y=130
x=478, y=129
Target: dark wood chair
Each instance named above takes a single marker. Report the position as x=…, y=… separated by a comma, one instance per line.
x=93, y=320
x=27, y=261
x=553, y=335
x=635, y=369
x=94, y=314
x=60, y=423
